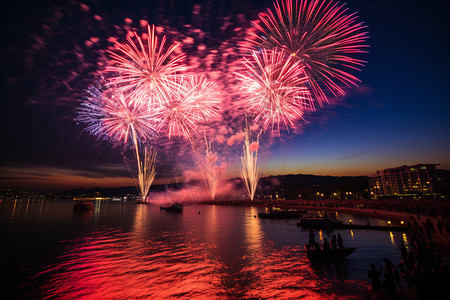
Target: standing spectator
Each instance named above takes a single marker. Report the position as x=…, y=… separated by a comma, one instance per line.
x=312, y=242
x=388, y=285
x=397, y=278
x=326, y=245
x=333, y=243
x=439, y=225
x=374, y=275
x=339, y=240
x=403, y=250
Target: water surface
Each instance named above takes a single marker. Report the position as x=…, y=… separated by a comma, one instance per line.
x=124, y=250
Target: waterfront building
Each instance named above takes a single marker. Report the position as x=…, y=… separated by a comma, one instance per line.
x=408, y=181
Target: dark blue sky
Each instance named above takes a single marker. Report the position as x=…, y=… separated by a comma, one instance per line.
x=399, y=115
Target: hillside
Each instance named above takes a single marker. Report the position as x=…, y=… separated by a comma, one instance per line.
x=285, y=186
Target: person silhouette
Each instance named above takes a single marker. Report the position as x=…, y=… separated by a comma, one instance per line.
x=339, y=241
x=374, y=275
x=333, y=242
x=403, y=250
x=312, y=242
x=326, y=245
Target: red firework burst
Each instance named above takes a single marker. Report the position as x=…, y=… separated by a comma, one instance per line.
x=321, y=35
x=146, y=71
x=195, y=101
x=111, y=115
x=273, y=87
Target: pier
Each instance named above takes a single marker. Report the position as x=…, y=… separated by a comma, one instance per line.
x=354, y=226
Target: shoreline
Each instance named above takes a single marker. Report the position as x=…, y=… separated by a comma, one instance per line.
x=441, y=241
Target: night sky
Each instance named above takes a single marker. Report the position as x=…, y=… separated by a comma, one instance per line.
x=51, y=52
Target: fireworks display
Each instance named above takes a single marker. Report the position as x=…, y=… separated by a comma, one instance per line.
x=273, y=83
x=146, y=172
x=210, y=169
x=250, y=169
x=161, y=93
x=195, y=101
x=111, y=115
x=146, y=70
x=321, y=34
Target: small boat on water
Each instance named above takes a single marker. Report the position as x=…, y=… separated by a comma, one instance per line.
x=330, y=254
x=176, y=207
x=83, y=206
x=282, y=214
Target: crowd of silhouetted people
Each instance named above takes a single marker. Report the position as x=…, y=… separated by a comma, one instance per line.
x=336, y=243
x=422, y=267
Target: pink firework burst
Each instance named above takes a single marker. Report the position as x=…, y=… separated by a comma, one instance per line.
x=321, y=35
x=146, y=71
x=111, y=115
x=195, y=101
x=273, y=87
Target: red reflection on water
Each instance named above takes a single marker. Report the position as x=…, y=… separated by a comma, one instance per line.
x=118, y=265
x=114, y=268
x=208, y=259
x=287, y=274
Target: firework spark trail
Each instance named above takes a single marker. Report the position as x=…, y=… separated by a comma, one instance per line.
x=210, y=169
x=146, y=72
x=250, y=169
x=111, y=115
x=195, y=101
x=146, y=171
x=321, y=35
x=273, y=85
x=146, y=168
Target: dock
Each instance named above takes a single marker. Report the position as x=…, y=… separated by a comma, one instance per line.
x=354, y=226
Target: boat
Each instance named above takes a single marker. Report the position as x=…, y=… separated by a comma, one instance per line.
x=319, y=222
x=83, y=206
x=330, y=255
x=282, y=214
x=176, y=207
